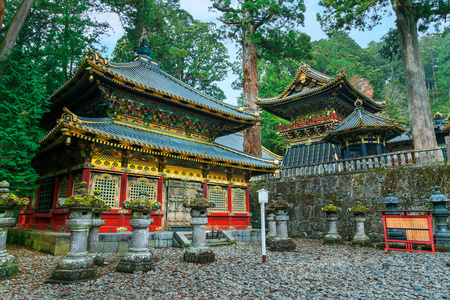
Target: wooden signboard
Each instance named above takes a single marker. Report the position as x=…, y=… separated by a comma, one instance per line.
x=417, y=228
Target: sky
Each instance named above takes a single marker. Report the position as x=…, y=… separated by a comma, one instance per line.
x=199, y=10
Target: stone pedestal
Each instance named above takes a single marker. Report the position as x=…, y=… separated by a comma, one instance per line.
x=77, y=265
x=199, y=253
x=281, y=243
x=138, y=257
x=8, y=266
x=332, y=236
x=360, y=239
x=272, y=225
x=97, y=222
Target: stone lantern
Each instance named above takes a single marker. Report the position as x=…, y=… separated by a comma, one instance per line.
x=198, y=252
x=332, y=236
x=281, y=242
x=392, y=203
x=8, y=201
x=138, y=257
x=440, y=213
x=77, y=265
x=99, y=207
x=360, y=239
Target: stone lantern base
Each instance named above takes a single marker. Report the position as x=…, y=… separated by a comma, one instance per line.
x=281, y=244
x=9, y=269
x=333, y=239
x=361, y=241
x=74, y=269
x=136, y=262
x=201, y=255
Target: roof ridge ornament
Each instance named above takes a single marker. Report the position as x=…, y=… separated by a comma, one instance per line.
x=144, y=48
x=358, y=103
x=95, y=58
x=69, y=117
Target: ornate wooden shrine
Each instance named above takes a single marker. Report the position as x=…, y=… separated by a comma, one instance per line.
x=314, y=103
x=127, y=127
x=362, y=133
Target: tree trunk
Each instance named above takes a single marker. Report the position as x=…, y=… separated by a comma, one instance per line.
x=2, y=13
x=252, y=136
x=419, y=107
x=14, y=28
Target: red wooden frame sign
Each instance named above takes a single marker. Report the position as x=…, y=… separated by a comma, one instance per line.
x=418, y=228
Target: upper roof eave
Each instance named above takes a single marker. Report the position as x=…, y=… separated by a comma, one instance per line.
x=341, y=78
x=101, y=65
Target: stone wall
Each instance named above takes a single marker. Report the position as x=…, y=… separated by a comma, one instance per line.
x=309, y=194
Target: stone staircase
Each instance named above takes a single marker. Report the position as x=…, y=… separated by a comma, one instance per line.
x=213, y=238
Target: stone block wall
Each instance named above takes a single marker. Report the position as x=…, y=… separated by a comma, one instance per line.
x=309, y=194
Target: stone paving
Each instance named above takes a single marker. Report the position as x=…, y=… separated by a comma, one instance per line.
x=312, y=271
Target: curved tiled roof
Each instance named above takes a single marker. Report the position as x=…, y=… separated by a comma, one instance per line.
x=236, y=141
x=145, y=74
x=105, y=129
x=324, y=83
x=362, y=119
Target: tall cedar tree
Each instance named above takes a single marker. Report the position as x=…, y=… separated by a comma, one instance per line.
x=13, y=31
x=264, y=29
x=22, y=102
x=411, y=16
x=188, y=49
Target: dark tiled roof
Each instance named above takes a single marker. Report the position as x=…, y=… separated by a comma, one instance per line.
x=314, y=153
x=155, y=140
x=151, y=76
x=360, y=117
x=236, y=141
x=438, y=123
x=401, y=138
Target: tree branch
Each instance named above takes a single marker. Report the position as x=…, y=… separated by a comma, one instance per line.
x=229, y=22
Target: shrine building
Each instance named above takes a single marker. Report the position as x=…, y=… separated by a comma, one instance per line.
x=315, y=103
x=127, y=127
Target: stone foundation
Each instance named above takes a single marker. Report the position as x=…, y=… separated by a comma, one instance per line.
x=201, y=255
x=57, y=243
x=281, y=244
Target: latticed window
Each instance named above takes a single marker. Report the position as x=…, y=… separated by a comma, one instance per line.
x=135, y=186
x=46, y=195
x=109, y=185
x=239, y=203
x=218, y=195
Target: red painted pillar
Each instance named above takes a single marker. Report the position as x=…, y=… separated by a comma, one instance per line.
x=55, y=192
x=247, y=202
x=205, y=190
x=160, y=189
x=69, y=190
x=123, y=188
x=230, y=205
x=230, y=199
x=86, y=176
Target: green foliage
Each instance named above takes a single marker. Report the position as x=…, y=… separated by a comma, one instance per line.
x=269, y=25
x=56, y=36
x=188, y=49
x=23, y=102
x=358, y=208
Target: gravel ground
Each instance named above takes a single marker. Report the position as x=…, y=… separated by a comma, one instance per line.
x=313, y=271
